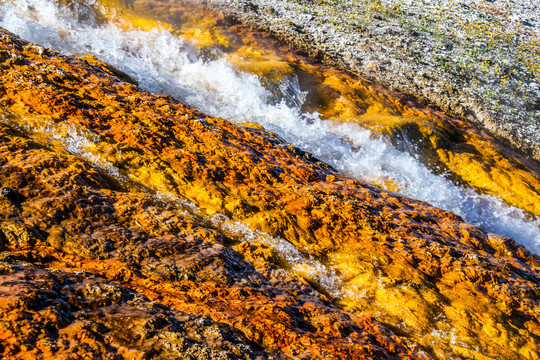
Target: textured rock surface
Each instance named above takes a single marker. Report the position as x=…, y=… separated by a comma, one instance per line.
x=444, y=144
x=118, y=247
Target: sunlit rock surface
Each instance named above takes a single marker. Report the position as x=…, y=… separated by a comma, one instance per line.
x=144, y=229
x=477, y=60
x=470, y=154
x=229, y=70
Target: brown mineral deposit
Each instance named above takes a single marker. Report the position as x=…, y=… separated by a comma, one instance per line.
x=120, y=248
x=470, y=154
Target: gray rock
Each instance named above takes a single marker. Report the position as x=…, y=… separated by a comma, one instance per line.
x=473, y=59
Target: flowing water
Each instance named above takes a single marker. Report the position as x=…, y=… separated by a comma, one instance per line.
x=162, y=62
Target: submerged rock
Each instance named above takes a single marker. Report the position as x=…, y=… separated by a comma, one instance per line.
x=160, y=232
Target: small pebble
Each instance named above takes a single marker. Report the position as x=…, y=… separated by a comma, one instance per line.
x=9, y=194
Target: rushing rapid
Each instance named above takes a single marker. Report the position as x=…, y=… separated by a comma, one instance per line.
x=162, y=62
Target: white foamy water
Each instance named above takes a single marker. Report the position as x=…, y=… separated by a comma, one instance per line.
x=161, y=62
x=304, y=265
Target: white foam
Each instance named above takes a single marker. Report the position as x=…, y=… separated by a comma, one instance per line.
x=161, y=62
x=302, y=264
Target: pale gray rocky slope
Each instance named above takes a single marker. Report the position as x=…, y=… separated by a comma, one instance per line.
x=478, y=60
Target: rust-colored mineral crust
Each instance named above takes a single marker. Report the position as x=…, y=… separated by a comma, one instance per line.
x=444, y=144
x=114, y=245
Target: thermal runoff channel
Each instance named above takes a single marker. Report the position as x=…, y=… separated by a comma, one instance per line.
x=165, y=63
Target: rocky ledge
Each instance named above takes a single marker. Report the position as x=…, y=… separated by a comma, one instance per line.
x=132, y=226
x=476, y=60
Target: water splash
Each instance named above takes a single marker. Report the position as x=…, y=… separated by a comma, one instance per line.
x=161, y=62
x=305, y=265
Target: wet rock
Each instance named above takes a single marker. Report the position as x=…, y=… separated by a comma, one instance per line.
x=11, y=195
x=17, y=234
x=109, y=69
x=63, y=322
x=135, y=259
